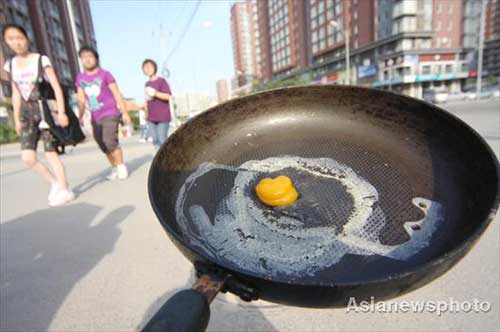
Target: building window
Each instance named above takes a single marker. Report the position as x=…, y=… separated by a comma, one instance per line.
x=449, y=68
x=338, y=8
x=314, y=11
x=329, y=30
x=426, y=70
x=321, y=19
x=321, y=7
x=329, y=14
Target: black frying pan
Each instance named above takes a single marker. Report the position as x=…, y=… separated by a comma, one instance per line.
x=393, y=193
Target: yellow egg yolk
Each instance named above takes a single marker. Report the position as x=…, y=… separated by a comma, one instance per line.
x=276, y=192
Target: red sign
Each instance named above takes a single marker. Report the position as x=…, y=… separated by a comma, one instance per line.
x=332, y=77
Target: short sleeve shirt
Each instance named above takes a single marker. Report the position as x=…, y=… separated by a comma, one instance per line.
x=100, y=100
x=25, y=78
x=159, y=110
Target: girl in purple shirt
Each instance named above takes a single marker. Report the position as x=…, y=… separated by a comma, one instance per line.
x=98, y=92
x=157, y=95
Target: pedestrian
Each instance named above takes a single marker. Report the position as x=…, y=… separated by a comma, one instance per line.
x=98, y=90
x=143, y=125
x=25, y=76
x=157, y=95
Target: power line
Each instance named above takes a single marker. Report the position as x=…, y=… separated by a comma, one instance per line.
x=177, y=18
x=186, y=28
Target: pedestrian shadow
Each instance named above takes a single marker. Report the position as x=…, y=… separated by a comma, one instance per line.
x=44, y=254
x=225, y=316
x=100, y=177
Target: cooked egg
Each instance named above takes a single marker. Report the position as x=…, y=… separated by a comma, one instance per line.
x=240, y=231
x=276, y=192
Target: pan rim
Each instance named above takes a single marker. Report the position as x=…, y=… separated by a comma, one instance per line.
x=464, y=246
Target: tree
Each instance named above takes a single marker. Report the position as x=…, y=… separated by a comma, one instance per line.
x=294, y=81
x=492, y=80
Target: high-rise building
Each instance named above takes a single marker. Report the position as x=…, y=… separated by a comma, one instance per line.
x=222, y=91
x=297, y=35
x=404, y=45
x=410, y=46
x=264, y=41
x=331, y=20
x=245, y=32
x=56, y=28
x=491, y=54
x=283, y=37
x=419, y=46
x=471, y=15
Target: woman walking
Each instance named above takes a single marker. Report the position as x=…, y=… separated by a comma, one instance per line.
x=157, y=95
x=24, y=73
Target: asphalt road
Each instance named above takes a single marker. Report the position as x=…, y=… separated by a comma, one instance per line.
x=103, y=263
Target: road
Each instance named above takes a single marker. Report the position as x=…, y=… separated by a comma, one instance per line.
x=103, y=263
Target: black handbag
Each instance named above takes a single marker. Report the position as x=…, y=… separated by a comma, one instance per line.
x=69, y=135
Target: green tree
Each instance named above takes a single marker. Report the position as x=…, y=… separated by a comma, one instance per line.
x=492, y=80
x=294, y=81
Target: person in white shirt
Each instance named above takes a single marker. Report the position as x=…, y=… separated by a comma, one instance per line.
x=23, y=69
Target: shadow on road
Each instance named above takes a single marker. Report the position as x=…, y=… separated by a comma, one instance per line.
x=44, y=254
x=224, y=316
x=100, y=177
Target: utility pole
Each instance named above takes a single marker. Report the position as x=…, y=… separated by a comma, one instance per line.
x=73, y=31
x=480, y=49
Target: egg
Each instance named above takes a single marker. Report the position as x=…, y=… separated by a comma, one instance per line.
x=276, y=192
x=232, y=226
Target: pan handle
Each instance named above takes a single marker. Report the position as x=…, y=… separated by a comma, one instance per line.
x=189, y=309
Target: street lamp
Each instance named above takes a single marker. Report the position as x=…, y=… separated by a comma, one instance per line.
x=336, y=25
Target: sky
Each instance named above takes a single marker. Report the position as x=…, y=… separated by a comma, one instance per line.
x=127, y=32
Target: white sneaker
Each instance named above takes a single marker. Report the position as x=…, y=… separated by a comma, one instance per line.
x=122, y=172
x=54, y=189
x=62, y=197
x=113, y=175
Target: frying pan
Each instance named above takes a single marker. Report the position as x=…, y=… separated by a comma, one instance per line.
x=393, y=193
